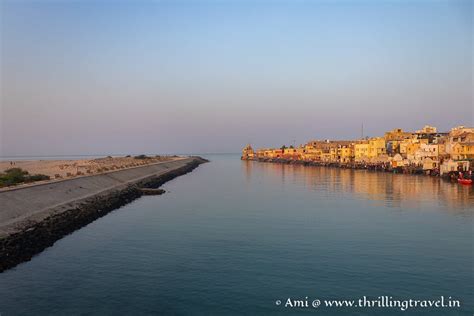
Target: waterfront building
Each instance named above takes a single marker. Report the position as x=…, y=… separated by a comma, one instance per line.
x=463, y=151
x=260, y=153
x=456, y=135
x=289, y=153
x=328, y=151
x=326, y=156
x=453, y=166
x=293, y=153
x=393, y=139
x=428, y=155
x=377, y=147
x=301, y=151
x=402, y=149
x=361, y=151
x=275, y=153
x=345, y=153
x=398, y=161
x=411, y=150
x=460, y=143
x=408, y=147
x=269, y=153
x=248, y=152
x=312, y=153
x=429, y=164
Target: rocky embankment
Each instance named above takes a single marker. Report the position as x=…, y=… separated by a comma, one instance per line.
x=33, y=218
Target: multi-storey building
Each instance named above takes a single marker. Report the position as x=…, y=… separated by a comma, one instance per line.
x=248, y=152
x=361, y=151
x=345, y=153
x=377, y=147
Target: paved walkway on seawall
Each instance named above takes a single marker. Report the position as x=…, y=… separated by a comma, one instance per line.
x=31, y=202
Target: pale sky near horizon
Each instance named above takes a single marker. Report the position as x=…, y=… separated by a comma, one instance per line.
x=118, y=77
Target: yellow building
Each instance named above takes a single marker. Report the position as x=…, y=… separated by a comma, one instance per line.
x=334, y=154
x=402, y=147
x=275, y=153
x=408, y=147
x=247, y=152
x=459, y=134
x=289, y=153
x=345, y=153
x=269, y=153
x=397, y=134
x=376, y=147
x=300, y=151
x=463, y=151
x=260, y=153
x=326, y=155
x=411, y=150
x=326, y=151
x=361, y=151
x=312, y=153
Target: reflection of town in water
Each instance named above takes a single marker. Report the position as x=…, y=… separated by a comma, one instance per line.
x=393, y=190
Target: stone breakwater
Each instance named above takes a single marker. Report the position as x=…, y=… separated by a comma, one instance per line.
x=34, y=218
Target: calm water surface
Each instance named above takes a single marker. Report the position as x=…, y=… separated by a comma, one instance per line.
x=233, y=237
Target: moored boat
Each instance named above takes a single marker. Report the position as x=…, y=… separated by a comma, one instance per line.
x=462, y=180
x=465, y=181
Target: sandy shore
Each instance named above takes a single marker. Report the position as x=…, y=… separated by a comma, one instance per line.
x=60, y=169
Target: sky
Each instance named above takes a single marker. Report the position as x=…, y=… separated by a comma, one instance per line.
x=118, y=77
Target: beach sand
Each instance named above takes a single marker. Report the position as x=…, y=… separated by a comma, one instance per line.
x=60, y=169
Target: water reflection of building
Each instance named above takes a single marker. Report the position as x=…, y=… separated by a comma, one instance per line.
x=393, y=190
x=248, y=165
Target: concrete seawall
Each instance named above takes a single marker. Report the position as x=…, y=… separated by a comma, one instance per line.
x=33, y=218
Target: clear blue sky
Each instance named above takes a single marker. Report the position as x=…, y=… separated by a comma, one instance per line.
x=93, y=77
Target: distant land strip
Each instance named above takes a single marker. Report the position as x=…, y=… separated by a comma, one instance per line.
x=426, y=151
